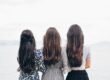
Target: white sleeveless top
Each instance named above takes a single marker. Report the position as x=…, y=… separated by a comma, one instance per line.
x=86, y=54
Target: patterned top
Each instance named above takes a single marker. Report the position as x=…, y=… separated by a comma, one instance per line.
x=39, y=67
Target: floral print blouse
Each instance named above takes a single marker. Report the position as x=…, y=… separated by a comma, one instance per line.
x=39, y=67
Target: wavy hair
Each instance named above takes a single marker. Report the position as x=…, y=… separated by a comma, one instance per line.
x=26, y=56
x=52, y=48
x=74, y=49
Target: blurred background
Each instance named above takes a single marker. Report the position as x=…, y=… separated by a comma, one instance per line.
x=38, y=15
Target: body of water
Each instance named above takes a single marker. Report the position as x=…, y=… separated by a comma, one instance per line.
x=99, y=69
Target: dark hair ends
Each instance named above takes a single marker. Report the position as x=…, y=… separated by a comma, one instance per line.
x=75, y=40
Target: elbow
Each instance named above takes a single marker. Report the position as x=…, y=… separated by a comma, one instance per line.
x=87, y=66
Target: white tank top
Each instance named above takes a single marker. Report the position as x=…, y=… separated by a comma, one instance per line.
x=86, y=54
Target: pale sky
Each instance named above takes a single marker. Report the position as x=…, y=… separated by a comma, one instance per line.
x=92, y=15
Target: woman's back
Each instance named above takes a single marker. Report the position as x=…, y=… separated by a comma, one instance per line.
x=86, y=54
x=52, y=55
x=39, y=67
x=76, y=53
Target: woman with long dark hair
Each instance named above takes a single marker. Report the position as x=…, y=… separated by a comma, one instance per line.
x=52, y=55
x=28, y=59
x=78, y=55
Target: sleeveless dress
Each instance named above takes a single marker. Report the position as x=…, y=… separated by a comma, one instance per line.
x=54, y=72
x=39, y=67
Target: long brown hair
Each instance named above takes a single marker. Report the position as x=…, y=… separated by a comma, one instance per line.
x=52, y=48
x=75, y=41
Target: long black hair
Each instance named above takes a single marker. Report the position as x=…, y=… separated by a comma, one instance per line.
x=75, y=41
x=26, y=52
x=52, y=48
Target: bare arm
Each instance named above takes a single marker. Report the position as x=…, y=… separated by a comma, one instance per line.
x=88, y=59
x=88, y=63
x=18, y=69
